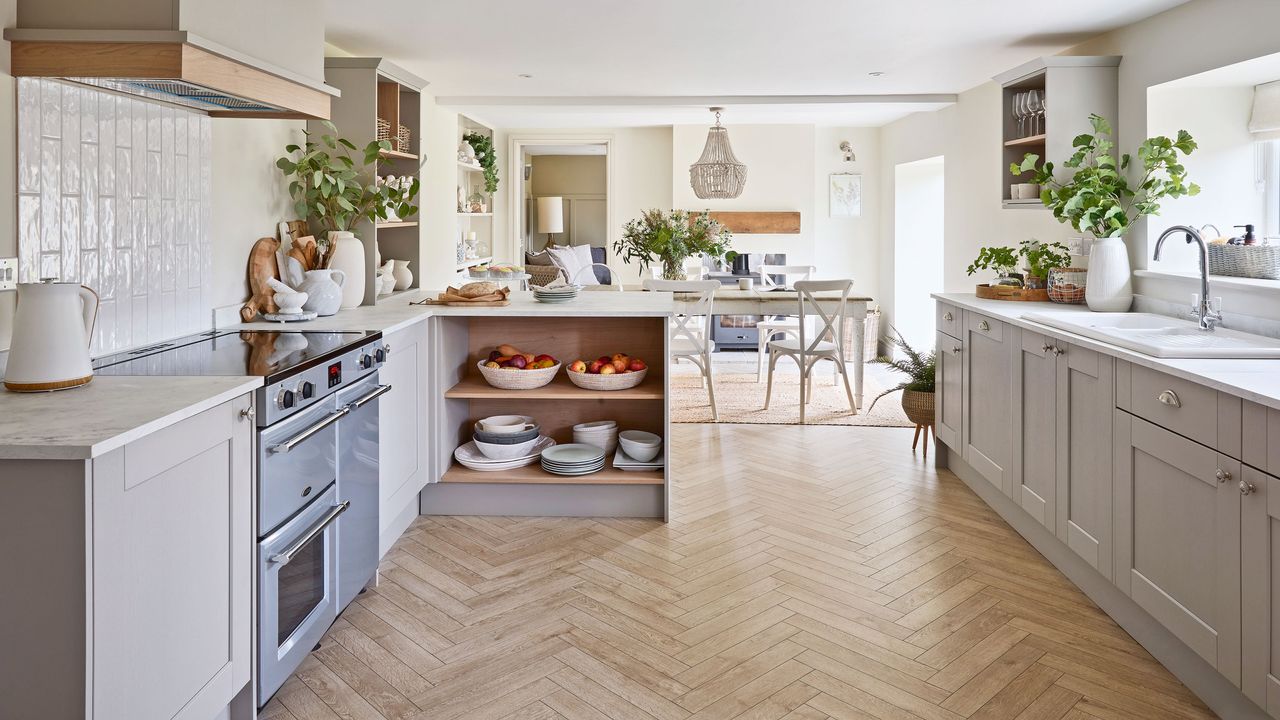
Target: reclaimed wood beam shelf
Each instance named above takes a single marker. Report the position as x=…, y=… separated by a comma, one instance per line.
x=756, y=223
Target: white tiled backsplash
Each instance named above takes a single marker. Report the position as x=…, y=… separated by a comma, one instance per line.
x=113, y=193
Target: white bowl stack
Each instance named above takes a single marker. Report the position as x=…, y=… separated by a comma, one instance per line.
x=602, y=433
x=640, y=448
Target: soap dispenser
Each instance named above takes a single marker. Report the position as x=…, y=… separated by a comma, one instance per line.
x=1248, y=238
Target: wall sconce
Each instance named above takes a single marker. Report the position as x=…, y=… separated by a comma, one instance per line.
x=847, y=149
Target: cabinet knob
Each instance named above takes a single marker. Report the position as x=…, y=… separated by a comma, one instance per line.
x=1246, y=487
x=948, y=316
x=1222, y=475
x=956, y=350
x=984, y=326
x=1170, y=398
x=1046, y=348
x=1057, y=350
x=247, y=413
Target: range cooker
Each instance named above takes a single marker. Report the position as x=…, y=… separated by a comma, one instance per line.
x=317, y=471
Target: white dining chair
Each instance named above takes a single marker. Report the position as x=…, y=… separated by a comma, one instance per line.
x=811, y=347
x=787, y=326
x=689, y=339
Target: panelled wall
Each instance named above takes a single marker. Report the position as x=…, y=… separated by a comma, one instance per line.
x=114, y=193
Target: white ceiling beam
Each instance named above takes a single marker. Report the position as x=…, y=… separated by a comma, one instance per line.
x=691, y=100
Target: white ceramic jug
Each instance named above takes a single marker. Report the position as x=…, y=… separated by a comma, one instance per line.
x=52, y=329
x=324, y=291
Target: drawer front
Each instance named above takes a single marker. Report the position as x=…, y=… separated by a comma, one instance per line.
x=984, y=326
x=1182, y=406
x=950, y=320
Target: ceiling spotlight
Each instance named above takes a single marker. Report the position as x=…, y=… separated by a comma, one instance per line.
x=525, y=76
x=876, y=73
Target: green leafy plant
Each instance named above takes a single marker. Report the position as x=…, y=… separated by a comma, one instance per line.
x=671, y=237
x=483, y=145
x=1099, y=199
x=919, y=367
x=1003, y=260
x=1042, y=257
x=327, y=182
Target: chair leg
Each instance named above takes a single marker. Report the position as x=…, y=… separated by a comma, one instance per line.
x=844, y=373
x=811, y=380
x=806, y=378
x=711, y=389
x=761, y=345
x=768, y=390
x=916, y=440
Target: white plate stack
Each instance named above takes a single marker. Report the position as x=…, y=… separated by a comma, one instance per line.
x=557, y=294
x=573, y=459
x=602, y=433
x=469, y=455
x=623, y=461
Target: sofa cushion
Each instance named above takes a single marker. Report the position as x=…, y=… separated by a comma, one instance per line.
x=571, y=260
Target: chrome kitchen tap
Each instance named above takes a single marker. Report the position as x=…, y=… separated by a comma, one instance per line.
x=1207, y=315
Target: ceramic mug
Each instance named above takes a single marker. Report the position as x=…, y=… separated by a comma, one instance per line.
x=1028, y=191
x=506, y=424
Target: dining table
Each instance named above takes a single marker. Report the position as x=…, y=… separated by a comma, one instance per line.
x=730, y=300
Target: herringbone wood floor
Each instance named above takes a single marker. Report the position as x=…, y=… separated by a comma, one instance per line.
x=848, y=580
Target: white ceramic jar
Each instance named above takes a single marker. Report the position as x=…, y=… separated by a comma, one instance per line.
x=1109, y=284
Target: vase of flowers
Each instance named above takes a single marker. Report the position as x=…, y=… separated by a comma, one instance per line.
x=672, y=237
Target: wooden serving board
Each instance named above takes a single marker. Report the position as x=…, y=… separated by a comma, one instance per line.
x=1008, y=292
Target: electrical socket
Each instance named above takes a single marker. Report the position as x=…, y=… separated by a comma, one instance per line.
x=9, y=273
x=1077, y=246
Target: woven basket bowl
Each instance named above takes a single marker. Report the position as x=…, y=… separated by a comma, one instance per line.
x=508, y=379
x=918, y=406
x=619, y=381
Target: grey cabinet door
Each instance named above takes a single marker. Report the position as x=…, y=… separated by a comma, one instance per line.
x=402, y=424
x=1035, y=433
x=949, y=394
x=1086, y=402
x=1260, y=561
x=987, y=421
x=1178, y=537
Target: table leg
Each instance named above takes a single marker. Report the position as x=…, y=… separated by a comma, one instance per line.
x=859, y=337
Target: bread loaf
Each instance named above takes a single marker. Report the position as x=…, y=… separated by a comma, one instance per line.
x=478, y=289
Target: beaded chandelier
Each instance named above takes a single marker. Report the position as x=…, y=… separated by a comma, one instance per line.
x=717, y=174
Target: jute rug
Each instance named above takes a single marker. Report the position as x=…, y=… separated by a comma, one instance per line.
x=740, y=399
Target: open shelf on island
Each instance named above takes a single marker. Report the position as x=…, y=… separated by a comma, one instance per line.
x=1029, y=140
x=534, y=474
x=474, y=387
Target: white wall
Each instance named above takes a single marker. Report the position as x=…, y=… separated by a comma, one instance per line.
x=919, y=222
x=848, y=246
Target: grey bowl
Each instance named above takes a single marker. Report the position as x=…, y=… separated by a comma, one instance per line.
x=507, y=438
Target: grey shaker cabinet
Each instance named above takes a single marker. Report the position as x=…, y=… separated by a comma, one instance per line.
x=1260, y=562
x=1177, y=517
x=403, y=461
x=949, y=396
x=987, y=418
x=1035, y=429
x=1085, y=400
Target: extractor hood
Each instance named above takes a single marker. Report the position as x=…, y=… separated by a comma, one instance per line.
x=170, y=66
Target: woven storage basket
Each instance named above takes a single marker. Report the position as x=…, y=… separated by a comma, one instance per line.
x=619, y=381
x=508, y=379
x=918, y=406
x=1066, y=285
x=1249, y=261
x=384, y=129
x=403, y=138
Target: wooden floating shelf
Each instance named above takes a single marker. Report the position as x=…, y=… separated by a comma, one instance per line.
x=1030, y=140
x=396, y=155
x=535, y=475
x=467, y=214
x=401, y=223
x=468, y=166
x=474, y=387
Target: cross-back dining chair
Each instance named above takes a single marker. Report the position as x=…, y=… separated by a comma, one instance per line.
x=811, y=347
x=778, y=324
x=689, y=335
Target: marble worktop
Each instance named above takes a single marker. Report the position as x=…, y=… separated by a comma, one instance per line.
x=108, y=413
x=1252, y=379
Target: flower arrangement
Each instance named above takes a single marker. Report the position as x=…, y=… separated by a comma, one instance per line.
x=671, y=237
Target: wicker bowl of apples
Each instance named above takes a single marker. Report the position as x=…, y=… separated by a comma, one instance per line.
x=509, y=368
x=608, y=372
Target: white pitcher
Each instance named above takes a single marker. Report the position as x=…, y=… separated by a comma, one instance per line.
x=52, y=330
x=324, y=291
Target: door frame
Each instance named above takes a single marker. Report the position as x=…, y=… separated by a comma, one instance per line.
x=515, y=190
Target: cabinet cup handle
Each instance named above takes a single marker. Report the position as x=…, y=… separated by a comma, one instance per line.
x=1222, y=475
x=1246, y=487
x=948, y=316
x=1170, y=398
x=984, y=326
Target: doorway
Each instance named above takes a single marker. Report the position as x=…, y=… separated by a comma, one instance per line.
x=917, y=247
x=577, y=171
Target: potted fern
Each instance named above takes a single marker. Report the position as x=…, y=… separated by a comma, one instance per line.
x=917, y=389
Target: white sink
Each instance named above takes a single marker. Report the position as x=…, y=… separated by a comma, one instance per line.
x=1160, y=336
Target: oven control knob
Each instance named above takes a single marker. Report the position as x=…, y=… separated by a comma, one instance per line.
x=307, y=389
x=380, y=355
x=366, y=361
x=285, y=399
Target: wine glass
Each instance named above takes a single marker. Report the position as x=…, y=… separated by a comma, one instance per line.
x=1018, y=114
x=1034, y=105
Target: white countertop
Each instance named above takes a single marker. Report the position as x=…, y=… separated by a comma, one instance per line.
x=397, y=312
x=109, y=412
x=1255, y=380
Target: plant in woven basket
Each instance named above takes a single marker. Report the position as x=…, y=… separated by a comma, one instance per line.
x=483, y=145
x=919, y=367
x=326, y=182
x=671, y=237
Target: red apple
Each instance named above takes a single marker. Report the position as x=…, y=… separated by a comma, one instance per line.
x=608, y=370
x=619, y=365
x=619, y=356
x=494, y=355
x=594, y=367
x=604, y=359
x=636, y=365
x=578, y=366
x=540, y=358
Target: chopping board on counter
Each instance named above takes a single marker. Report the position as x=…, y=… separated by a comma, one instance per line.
x=451, y=296
x=262, y=266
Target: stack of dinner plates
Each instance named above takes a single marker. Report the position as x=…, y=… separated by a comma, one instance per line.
x=469, y=455
x=558, y=294
x=573, y=459
x=623, y=461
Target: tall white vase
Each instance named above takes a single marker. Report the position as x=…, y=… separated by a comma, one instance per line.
x=348, y=256
x=1109, y=285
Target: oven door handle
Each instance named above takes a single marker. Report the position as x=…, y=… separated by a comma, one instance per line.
x=289, y=444
x=283, y=558
x=377, y=392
